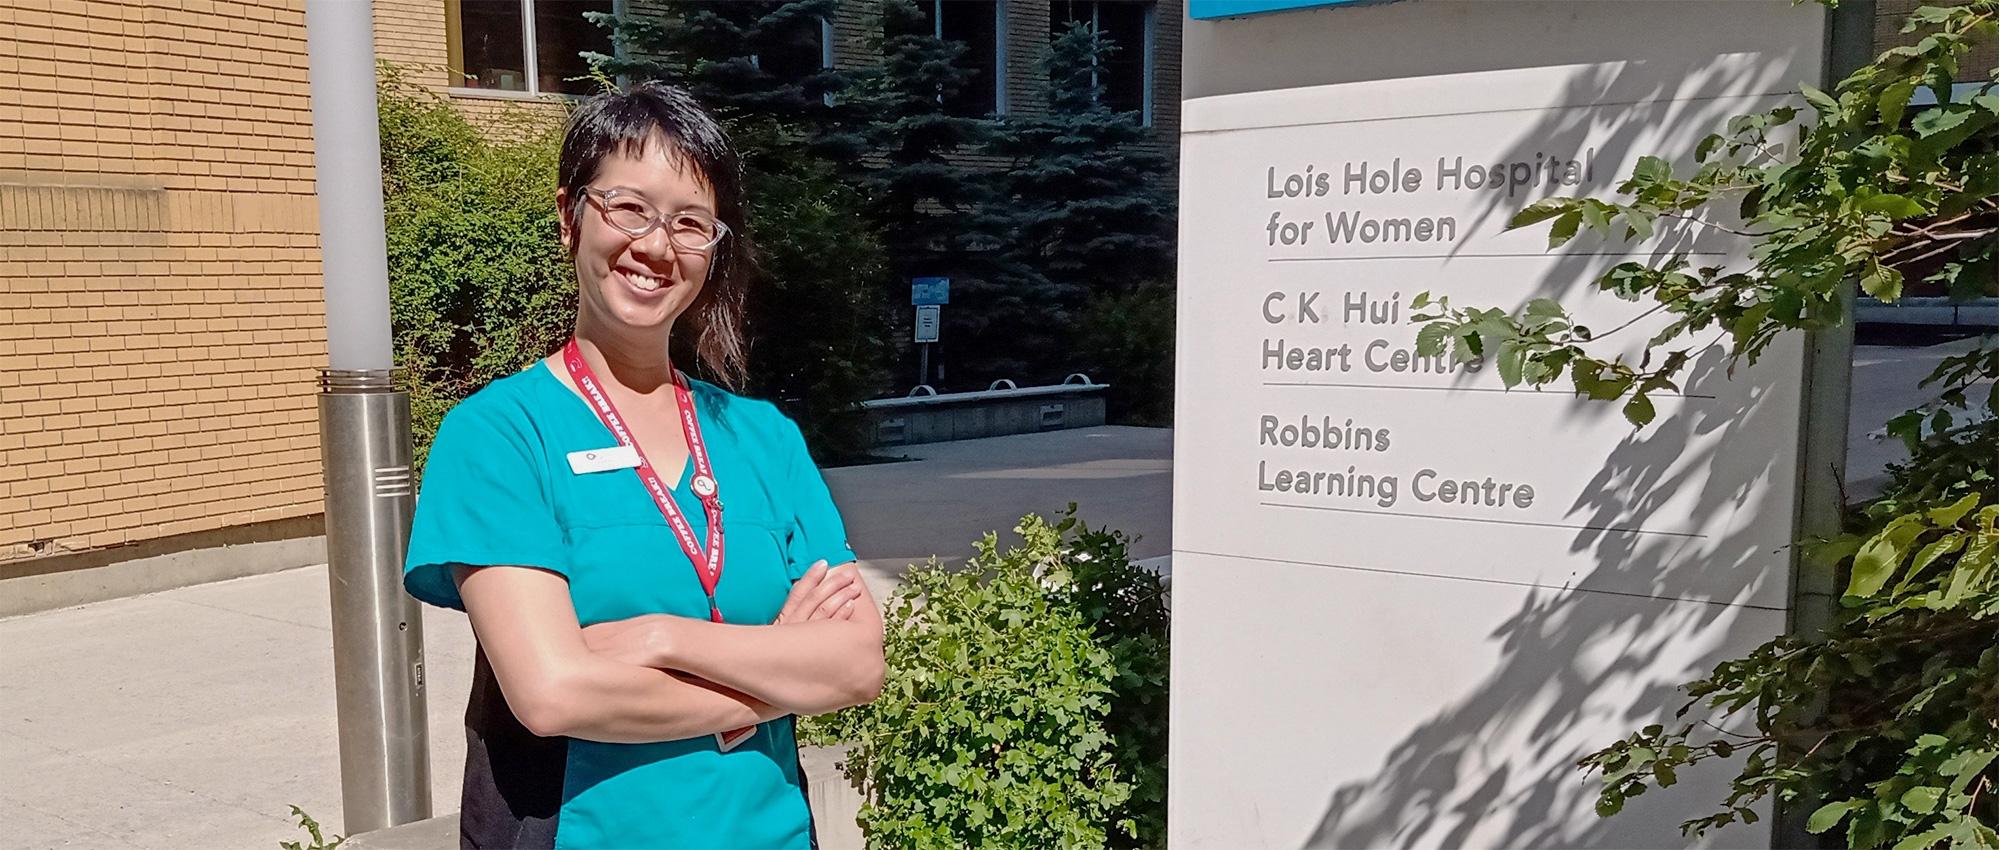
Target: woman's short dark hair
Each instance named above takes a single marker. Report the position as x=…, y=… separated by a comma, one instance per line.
x=625, y=123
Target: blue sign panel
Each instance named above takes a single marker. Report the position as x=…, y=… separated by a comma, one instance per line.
x=1208, y=10
x=930, y=290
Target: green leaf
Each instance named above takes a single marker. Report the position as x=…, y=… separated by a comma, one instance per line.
x=1663, y=774
x=1970, y=569
x=1896, y=207
x=1639, y=410
x=1878, y=559
x=1564, y=229
x=1931, y=122
x=1950, y=515
x=1422, y=300
x=1510, y=357
x=1641, y=223
x=1542, y=310
x=1652, y=169
x=1929, y=554
x=1965, y=767
x=1889, y=105
x=1431, y=338
x=1596, y=217
x=1923, y=840
x=1883, y=282
x=1539, y=211
x=1707, y=146
x=1923, y=798
x=1830, y=815
x=1819, y=99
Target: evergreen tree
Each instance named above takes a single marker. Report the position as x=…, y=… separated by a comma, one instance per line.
x=1088, y=211
x=918, y=188
x=817, y=310
x=755, y=60
x=1090, y=208
x=934, y=205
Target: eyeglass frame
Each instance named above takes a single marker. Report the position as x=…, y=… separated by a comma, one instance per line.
x=603, y=198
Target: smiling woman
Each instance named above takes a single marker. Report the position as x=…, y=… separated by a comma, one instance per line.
x=625, y=695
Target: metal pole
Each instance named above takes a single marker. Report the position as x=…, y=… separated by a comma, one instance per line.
x=923, y=364
x=1829, y=372
x=378, y=635
x=378, y=666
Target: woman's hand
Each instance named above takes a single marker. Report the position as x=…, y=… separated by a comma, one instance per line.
x=822, y=594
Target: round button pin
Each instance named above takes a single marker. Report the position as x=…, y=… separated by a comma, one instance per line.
x=704, y=485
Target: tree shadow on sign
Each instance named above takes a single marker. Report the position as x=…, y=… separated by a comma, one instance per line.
x=1581, y=663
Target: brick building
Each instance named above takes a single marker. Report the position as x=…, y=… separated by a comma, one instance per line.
x=161, y=317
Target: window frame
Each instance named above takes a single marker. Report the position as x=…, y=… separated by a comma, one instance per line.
x=999, y=47
x=531, y=60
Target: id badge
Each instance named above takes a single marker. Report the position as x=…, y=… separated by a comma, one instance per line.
x=729, y=740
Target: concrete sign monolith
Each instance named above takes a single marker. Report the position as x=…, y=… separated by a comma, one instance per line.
x=1406, y=598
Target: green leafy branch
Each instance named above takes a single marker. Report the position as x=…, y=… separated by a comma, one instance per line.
x=1876, y=192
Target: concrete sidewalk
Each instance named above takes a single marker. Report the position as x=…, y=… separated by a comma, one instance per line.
x=195, y=717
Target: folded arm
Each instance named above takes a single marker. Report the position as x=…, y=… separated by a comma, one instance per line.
x=556, y=685
x=824, y=652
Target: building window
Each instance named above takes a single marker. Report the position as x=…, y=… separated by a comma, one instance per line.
x=806, y=49
x=1127, y=77
x=527, y=46
x=980, y=25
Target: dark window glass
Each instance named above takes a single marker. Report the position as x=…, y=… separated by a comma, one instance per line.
x=489, y=45
x=562, y=34
x=972, y=23
x=1062, y=13
x=1123, y=75
x=797, y=52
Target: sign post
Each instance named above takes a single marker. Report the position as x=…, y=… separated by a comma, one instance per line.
x=928, y=295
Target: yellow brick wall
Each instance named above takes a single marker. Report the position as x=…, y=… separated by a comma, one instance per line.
x=160, y=301
x=411, y=34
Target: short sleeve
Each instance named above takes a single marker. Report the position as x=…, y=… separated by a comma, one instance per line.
x=818, y=533
x=484, y=503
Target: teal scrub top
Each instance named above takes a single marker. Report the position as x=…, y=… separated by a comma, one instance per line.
x=498, y=490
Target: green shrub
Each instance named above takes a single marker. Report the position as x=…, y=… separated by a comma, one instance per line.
x=479, y=286
x=312, y=828
x=1125, y=606
x=1126, y=339
x=1025, y=704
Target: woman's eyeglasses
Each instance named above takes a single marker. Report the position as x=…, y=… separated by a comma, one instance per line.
x=689, y=230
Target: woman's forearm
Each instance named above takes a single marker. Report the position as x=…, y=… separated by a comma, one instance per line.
x=804, y=668
x=618, y=703
x=556, y=685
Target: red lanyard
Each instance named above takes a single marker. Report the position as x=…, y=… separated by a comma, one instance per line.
x=708, y=563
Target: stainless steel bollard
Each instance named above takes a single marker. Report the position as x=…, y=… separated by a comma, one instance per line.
x=378, y=635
